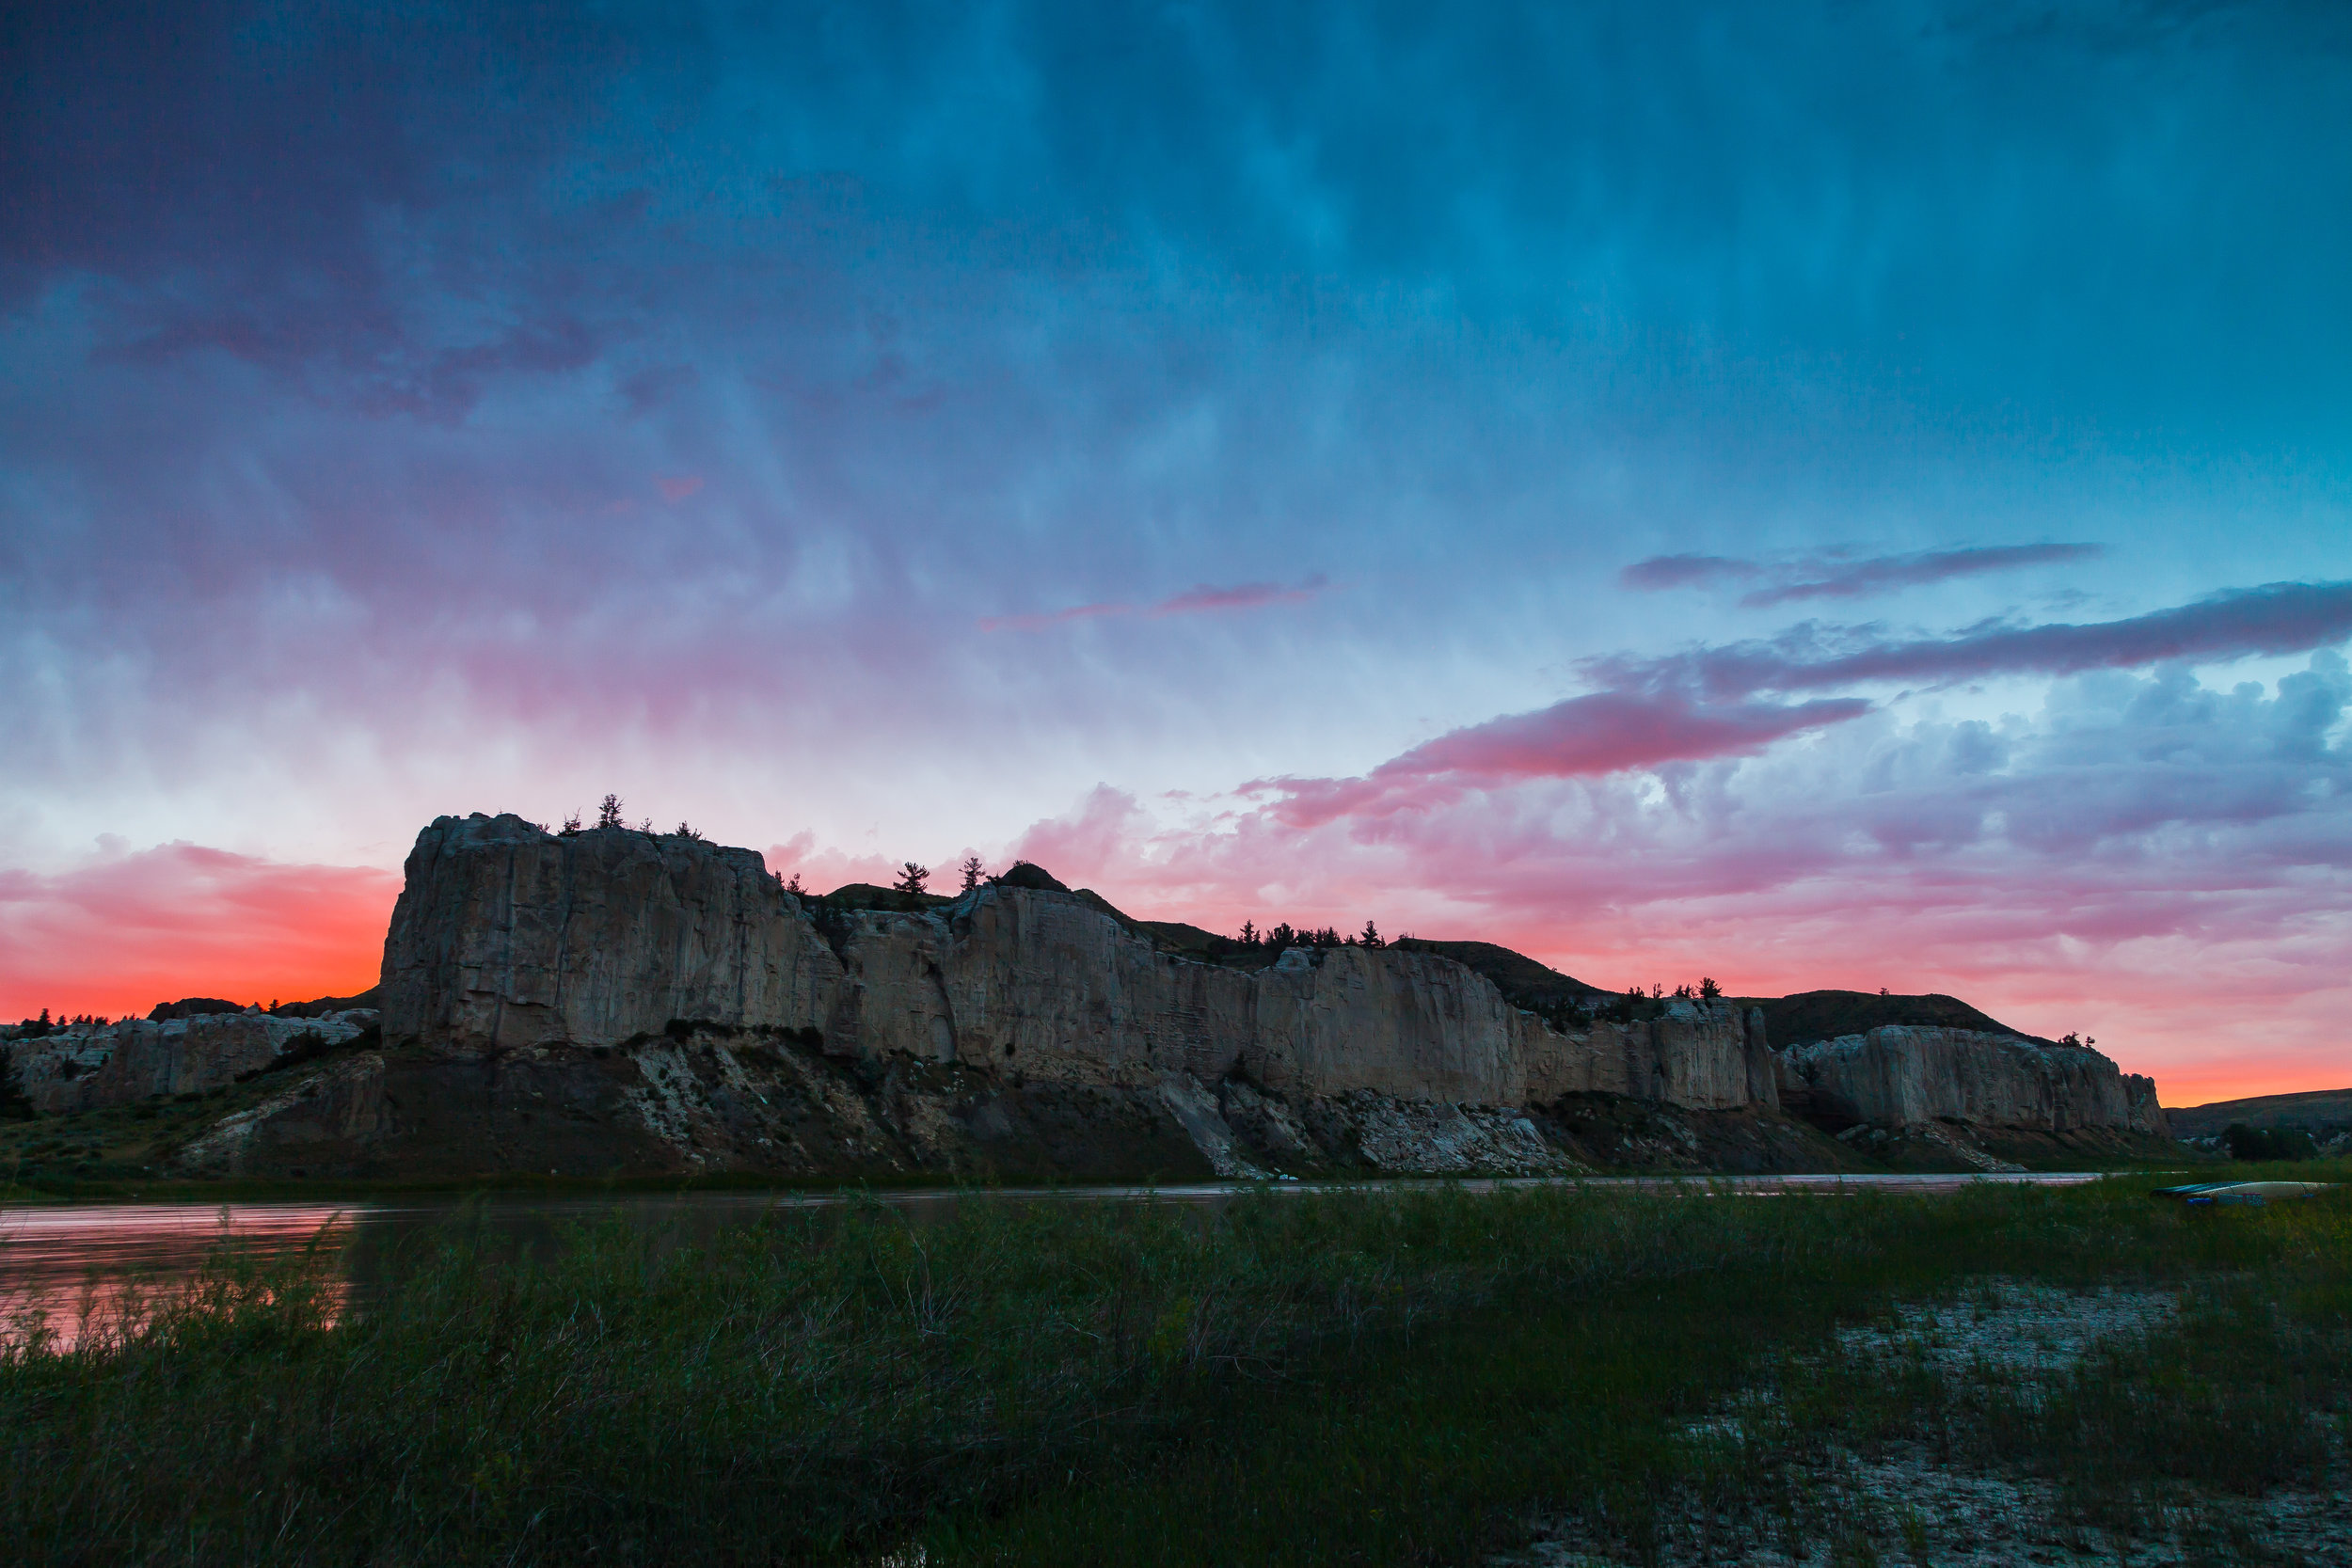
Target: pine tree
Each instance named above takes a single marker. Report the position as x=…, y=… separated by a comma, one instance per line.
x=912, y=878
x=1249, y=934
x=14, y=1106
x=1371, y=937
x=609, y=814
x=1708, y=990
x=972, y=869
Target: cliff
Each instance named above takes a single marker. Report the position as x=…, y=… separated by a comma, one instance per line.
x=1900, y=1075
x=83, y=1069
x=620, y=1002
x=706, y=1015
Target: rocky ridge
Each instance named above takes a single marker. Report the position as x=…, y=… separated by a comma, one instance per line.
x=1900, y=1075
x=614, y=1000
x=1945, y=1094
x=620, y=1002
x=90, y=1067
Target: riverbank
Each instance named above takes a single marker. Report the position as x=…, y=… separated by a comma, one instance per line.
x=134, y=1187
x=1432, y=1375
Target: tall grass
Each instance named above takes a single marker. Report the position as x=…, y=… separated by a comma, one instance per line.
x=1370, y=1377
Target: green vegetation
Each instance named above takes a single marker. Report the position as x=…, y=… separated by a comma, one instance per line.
x=2268, y=1143
x=1384, y=1377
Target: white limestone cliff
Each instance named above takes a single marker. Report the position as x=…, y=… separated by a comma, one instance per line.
x=1901, y=1075
x=115, y=1064
x=507, y=936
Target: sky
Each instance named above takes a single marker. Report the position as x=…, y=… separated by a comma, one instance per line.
x=1816, y=495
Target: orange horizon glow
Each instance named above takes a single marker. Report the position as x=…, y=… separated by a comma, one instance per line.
x=116, y=938
x=183, y=921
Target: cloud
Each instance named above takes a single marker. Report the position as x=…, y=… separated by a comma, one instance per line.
x=2277, y=618
x=379, y=363
x=2160, y=864
x=1702, y=706
x=1687, y=571
x=1827, y=577
x=1457, y=306
x=1606, y=732
x=124, y=932
x=1193, y=601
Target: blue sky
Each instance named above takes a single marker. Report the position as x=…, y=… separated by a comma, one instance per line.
x=1304, y=461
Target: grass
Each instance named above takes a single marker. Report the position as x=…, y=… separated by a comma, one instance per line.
x=1375, y=1377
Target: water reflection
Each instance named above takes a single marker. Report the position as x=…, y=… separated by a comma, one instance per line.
x=73, y=1267
x=74, y=1270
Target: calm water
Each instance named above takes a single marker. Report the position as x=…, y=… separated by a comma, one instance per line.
x=66, y=1265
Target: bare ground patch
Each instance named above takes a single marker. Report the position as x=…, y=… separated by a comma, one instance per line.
x=1951, y=1432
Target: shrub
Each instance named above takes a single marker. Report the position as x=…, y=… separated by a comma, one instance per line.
x=2268, y=1142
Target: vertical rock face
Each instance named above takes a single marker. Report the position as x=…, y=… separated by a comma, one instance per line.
x=2139, y=1100
x=1902, y=1075
x=1699, y=1054
x=508, y=936
x=1410, y=1025
x=615, y=1000
x=510, y=944
x=1043, y=984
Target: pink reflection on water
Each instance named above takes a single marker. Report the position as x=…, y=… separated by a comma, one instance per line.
x=75, y=1269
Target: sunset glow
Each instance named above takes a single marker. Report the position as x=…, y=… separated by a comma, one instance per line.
x=1794, y=495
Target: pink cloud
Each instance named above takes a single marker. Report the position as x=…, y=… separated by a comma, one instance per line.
x=2162, y=866
x=1606, y=732
x=1193, y=601
x=821, y=870
x=183, y=920
x=677, y=487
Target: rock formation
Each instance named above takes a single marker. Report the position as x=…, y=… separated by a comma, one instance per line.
x=1900, y=1075
x=90, y=1069
x=616, y=1001
x=711, y=1016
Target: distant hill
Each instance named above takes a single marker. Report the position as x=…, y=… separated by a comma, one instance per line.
x=865, y=896
x=2313, y=1111
x=1522, y=981
x=1824, y=1015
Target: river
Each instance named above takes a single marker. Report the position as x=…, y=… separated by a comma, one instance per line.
x=67, y=1265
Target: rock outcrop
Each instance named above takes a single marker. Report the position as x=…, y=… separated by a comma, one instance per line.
x=706, y=997
x=1901, y=1075
x=94, y=1067
x=616, y=1002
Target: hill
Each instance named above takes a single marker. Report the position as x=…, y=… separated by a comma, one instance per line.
x=2312, y=1110
x=1522, y=981
x=1824, y=1015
